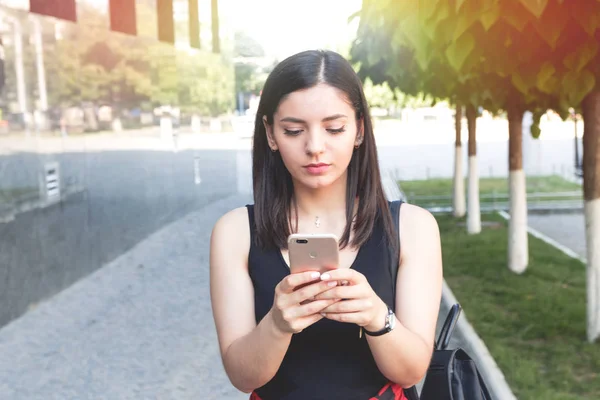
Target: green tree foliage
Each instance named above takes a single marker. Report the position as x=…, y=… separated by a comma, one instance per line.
x=537, y=53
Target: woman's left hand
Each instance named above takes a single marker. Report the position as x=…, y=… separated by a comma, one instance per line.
x=360, y=304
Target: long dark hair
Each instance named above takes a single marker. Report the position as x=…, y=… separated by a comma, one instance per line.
x=273, y=187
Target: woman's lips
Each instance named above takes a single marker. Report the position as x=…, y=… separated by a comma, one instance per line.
x=317, y=169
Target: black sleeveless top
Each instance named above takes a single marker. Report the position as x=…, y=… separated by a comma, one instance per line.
x=327, y=360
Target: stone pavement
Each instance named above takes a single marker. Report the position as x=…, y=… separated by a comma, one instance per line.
x=141, y=327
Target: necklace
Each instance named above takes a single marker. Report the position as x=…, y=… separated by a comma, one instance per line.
x=317, y=222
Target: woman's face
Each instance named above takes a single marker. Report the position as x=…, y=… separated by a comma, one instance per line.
x=315, y=131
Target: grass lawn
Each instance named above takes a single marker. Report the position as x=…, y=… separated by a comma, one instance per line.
x=443, y=186
x=533, y=324
x=416, y=190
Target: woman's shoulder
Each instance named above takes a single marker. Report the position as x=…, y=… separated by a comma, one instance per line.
x=233, y=227
x=411, y=214
x=417, y=223
x=236, y=216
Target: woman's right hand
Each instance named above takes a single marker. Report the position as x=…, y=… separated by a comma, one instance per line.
x=291, y=311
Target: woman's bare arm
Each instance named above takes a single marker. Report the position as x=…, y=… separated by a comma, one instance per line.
x=252, y=353
x=244, y=345
x=403, y=355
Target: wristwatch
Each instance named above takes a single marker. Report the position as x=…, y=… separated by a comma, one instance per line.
x=390, y=323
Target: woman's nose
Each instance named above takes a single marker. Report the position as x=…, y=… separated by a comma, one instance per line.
x=315, y=143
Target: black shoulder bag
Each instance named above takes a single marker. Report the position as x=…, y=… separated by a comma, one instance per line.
x=452, y=374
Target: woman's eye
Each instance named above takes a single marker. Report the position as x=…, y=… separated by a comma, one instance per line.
x=292, y=132
x=336, y=130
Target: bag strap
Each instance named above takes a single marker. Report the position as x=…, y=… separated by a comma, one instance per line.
x=448, y=327
x=394, y=257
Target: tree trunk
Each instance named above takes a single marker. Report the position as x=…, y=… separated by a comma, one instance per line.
x=459, y=179
x=591, y=194
x=518, y=245
x=473, y=210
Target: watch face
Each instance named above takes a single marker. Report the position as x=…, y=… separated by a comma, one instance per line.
x=391, y=322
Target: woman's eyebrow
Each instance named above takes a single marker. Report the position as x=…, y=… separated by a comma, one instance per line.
x=301, y=121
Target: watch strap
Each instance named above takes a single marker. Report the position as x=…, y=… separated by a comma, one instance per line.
x=389, y=324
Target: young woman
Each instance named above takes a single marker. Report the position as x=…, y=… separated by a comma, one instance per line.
x=315, y=170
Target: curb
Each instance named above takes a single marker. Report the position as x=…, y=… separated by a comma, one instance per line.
x=566, y=209
x=548, y=240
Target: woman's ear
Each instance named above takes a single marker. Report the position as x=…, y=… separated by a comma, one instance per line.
x=270, y=137
x=360, y=133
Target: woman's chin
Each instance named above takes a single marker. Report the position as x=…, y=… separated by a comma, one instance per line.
x=316, y=182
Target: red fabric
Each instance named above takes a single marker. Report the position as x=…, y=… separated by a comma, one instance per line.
x=391, y=391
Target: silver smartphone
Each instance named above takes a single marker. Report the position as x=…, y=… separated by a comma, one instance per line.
x=313, y=252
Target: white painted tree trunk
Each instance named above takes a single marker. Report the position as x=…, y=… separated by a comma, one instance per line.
x=458, y=198
x=591, y=192
x=518, y=242
x=474, y=211
x=592, y=233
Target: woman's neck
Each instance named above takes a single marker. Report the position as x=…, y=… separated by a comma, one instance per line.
x=322, y=209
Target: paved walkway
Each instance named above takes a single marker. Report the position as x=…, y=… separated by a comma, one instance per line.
x=567, y=229
x=141, y=327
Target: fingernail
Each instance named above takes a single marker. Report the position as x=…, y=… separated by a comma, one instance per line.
x=323, y=314
x=315, y=275
x=325, y=276
x=332, y=283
